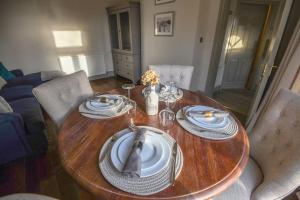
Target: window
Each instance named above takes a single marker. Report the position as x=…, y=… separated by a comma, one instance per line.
x=235, y=42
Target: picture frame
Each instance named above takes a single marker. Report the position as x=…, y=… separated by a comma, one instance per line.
x=164, y=24
x=159, y=2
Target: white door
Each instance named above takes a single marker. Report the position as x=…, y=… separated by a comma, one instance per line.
x=242, y=43
x=267, y=61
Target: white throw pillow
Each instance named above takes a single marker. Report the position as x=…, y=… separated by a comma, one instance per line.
x=2, y=82
x=4, y=106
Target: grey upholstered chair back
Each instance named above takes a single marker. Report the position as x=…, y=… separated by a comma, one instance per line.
x=275, y=145
x=59, y=96
x=26, y=196
x=182, y=75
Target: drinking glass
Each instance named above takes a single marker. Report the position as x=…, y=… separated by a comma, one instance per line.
x=166, y=119
x=128, y=87
x=170, y=103
x=171, y=87
x=131, y=113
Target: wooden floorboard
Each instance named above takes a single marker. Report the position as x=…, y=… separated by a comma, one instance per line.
x=236, y=100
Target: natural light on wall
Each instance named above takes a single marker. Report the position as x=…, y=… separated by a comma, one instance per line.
x=70, y=64
x=67, y=64
x=65, y=39
x=83, y=63
x=235, y=42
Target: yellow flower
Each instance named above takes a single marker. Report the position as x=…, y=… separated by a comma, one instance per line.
x=150, y=77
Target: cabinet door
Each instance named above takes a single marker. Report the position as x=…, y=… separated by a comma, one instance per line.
x=113, y=22
x=125, y=30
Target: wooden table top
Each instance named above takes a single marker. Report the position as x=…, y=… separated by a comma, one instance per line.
x=209, y=166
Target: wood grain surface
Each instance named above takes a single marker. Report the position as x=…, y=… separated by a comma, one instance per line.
x=209, y=166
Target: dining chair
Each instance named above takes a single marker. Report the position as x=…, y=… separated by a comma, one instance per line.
x=26, y=196
x=59, y=96
x=273, y=171
x=182, y=75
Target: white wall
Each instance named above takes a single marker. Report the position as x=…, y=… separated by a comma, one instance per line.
x=26, y=33
x=27, y=42
x=193, y=19
x=207, y=22
x=178, y=49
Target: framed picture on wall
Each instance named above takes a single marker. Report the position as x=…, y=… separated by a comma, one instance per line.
x=164, y=24
x=158, y=2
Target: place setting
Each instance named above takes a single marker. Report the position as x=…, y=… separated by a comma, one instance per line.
x=140, y=160
x=104, y=106
x=166, y=92
x=207, y=122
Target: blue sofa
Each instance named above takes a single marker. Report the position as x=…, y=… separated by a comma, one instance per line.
x=22, y=133
x=33, y=79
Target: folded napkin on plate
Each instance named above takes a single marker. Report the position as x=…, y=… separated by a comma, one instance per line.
x=133, y=163
x=207, y=114
x=103, y=101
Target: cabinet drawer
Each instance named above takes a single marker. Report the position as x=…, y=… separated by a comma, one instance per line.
x=127, y=58
x=117, y=57
x=125, y=73
x=128, y=66
x=116, y=62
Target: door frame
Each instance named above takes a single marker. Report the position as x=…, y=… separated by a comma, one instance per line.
x=224, y=14
x=288, y=68
x=262, y=38
x=281, y=20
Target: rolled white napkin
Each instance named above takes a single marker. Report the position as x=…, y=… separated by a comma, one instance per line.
x=133, y=164
x=103, y=101
x=207, y=114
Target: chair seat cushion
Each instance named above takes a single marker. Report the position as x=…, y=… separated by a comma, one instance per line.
x=243, y=187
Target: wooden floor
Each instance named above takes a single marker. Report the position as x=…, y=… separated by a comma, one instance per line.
x=43, y=174
x=236, y=100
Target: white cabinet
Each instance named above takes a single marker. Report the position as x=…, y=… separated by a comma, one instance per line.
x=125, y=34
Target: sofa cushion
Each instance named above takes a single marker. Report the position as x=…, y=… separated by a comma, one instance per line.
x=2, y=82
x=33, y=79
x=31, y=112
x=17, y=92
x=13, y=142
x=4, y=106
x=5, y=74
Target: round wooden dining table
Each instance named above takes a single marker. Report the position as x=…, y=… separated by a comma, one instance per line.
x=209, y=166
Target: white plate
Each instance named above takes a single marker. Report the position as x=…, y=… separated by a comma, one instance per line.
x=231, y=128
x=155, y=154
x=213, y=122
x=99, y=106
